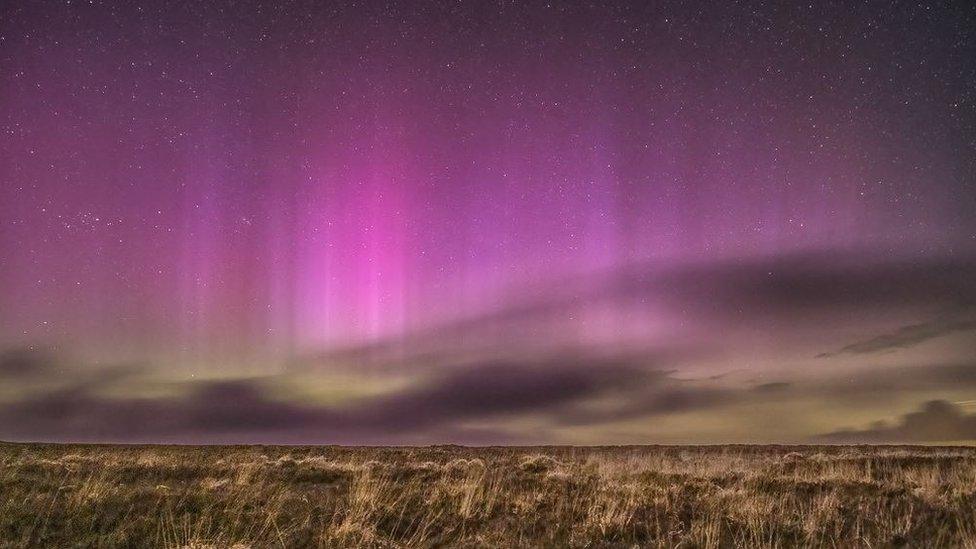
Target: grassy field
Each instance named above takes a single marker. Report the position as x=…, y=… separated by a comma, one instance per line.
x=266, y=496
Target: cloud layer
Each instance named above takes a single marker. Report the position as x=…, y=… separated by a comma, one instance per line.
x=472, y=381
x=935, y=421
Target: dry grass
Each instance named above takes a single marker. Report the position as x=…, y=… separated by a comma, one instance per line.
x=727, y=496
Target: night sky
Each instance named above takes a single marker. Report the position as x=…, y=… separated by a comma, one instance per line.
x=487, y=222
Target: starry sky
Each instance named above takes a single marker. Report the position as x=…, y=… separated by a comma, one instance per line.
x=487, y=222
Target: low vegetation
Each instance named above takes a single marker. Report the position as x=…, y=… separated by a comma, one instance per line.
x=266, y=496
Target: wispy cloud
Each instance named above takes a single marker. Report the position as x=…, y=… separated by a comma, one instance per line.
x=907, y=336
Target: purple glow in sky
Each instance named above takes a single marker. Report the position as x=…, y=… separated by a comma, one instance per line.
x=565, y=222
